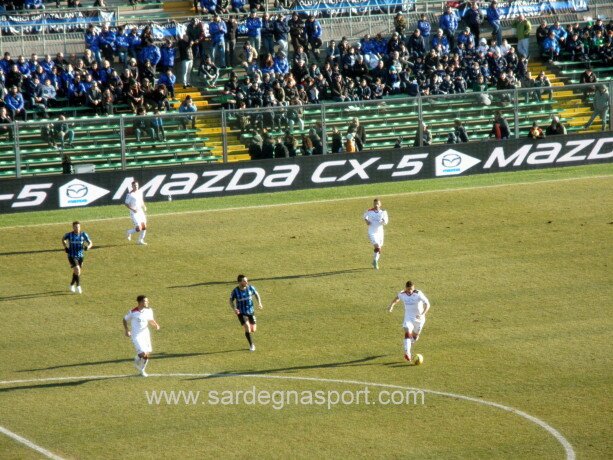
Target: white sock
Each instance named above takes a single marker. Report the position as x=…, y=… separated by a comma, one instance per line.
x=407, y=346
x=145, y=361
x=131, y=231
x=137, y=361
x=377, y=255
x=142, y=235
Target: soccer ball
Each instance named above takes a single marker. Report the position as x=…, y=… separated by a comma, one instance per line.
x=419, y=359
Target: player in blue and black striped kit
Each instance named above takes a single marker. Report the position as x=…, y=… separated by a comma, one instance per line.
x=75, y=243
x=241, y=302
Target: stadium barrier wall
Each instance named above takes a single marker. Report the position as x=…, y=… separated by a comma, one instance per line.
x=198, y=181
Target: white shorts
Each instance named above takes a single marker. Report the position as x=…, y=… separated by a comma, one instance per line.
x=142, y=342
x=376, y=238
x=138, y=218
x=414, y=324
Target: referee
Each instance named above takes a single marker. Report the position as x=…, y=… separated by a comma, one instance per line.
x=75, y=243
x=241, y=303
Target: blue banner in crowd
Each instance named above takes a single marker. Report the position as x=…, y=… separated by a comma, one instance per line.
x=339, y=6
x=163, y=30
x=531, y=8
x=13, y=24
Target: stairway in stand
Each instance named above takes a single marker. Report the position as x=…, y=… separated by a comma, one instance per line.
x=569, y=105
x=210, y=127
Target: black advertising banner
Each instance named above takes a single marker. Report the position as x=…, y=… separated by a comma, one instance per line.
x=198, y=181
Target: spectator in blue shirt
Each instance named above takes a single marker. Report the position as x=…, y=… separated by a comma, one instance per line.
x=313, y=32
x=168, y=79
x=237, y=6
x=150, y=53
x=281, y=32
x=492, y=15
x=551, y=47
x=167, y=55
x=559, y=32
x=122, y=44
x=34, y=5
x=440, y=39
x=466, y=38
x=208, y=6
x=6, y=63
x=268, y=34
x=448, y=22
x=254, y=28
x=134, y=43
x=15, y=104
x=424, y=29
x=92, y=43
x=106, y=41
x=217, y=30
x=281, y=65
x=187, y=107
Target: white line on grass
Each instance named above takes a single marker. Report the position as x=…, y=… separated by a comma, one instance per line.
x=326, y=200
x=30, y=444
x=568, y=448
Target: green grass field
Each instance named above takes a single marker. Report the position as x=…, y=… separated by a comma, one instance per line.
x=517, y=267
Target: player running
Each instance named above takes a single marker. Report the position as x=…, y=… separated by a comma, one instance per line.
x=241, y=303
x=136, y=204
x=140, y=318
x=75, y=243
x=416, y=305
x=376, y=218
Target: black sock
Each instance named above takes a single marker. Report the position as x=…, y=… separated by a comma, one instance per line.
x=74, y=279
x=78, y=279
x=248, y=335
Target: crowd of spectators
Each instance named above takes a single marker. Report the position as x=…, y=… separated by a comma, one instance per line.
x=590, y=42
x=454, y=56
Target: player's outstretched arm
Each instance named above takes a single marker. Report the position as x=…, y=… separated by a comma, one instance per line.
x=125, y=328
x=65, y=245
x=154, y=324
x=394, y=302
x=233, y=307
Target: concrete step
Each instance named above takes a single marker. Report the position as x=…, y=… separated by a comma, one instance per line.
x=239, y=157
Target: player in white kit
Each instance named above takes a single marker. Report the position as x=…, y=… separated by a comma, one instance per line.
x=416, y=305
x=140, y=318
x=376, y=218
x=136, y=204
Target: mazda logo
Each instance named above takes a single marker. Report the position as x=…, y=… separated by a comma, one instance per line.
x=451, y=160
x=76, y=191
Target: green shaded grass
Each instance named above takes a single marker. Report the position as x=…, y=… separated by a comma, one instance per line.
x=519, y=278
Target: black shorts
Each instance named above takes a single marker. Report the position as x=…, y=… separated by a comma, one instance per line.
x=244, y=318
x=74, y=261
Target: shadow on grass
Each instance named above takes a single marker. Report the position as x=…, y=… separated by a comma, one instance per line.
x=366, y=361
x=47, y=251
x=154, y=357
x=275, y=278
x=44, y=386
x=35, y=295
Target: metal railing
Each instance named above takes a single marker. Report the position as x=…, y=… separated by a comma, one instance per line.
x=115, y=143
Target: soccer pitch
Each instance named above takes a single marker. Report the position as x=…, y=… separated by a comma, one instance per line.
x=517, y=350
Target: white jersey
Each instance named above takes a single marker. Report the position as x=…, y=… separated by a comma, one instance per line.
x=413, y=304
x=135, y=201
x=139, y=320
x=376, y=219
x=141, y=337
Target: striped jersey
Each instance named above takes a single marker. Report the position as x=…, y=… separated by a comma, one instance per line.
x=244, y=299
x=76, y=242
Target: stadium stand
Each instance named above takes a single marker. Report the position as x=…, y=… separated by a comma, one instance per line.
x=283, y=94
